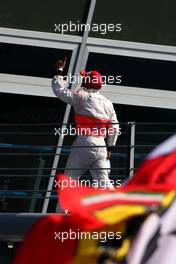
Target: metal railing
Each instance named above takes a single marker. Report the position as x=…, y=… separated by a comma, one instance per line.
x=28, y=167
x=28, y=154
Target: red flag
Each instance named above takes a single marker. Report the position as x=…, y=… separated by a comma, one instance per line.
x=96, y=209
x=159, y=169
x=43, y=244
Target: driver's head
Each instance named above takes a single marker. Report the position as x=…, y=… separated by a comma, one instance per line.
x=92, y=80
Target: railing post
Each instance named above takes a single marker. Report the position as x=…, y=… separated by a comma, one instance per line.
x=131, y=149
x=40, y=165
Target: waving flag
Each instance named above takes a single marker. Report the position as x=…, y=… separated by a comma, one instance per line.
x=159, y=169
x=94, y=212
x=41, y=243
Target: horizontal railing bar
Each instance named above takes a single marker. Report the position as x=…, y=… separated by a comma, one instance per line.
x=38, y=133
x=46, y=176
x=23, y=190
x=55, y=168
x=55, y=146
x=33, y=154
x=80, y=183
x=73, y=123
x=151, y=146
x=58, y=124
x=68, y=147
x=120, y=155
x=155, y=133
x=26, y=197
x=155, y=123
x=52, y=146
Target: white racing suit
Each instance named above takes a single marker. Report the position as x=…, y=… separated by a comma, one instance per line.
x=92, y=112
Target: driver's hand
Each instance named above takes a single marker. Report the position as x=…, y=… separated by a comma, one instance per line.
x=109, y=153
x=61, y=64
